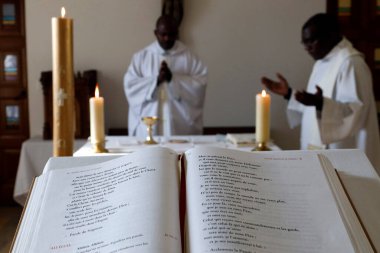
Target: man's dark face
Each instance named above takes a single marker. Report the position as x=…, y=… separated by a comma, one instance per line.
x=316, y=46
x=166, y=35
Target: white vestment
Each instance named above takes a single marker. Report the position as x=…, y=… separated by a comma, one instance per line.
x=348, y=118
x=184, y=94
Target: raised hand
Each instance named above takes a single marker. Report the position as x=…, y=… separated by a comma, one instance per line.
x=310, y=99
x=279, y=87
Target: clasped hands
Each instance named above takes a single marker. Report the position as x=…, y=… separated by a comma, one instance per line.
x=165, y=74
x=281, y=87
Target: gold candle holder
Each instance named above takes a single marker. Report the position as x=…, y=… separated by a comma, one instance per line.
x=149, y=122
x=261, y=146
x=99, y=147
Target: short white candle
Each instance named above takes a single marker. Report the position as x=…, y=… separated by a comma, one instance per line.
x=97, y=117
x=262, y=117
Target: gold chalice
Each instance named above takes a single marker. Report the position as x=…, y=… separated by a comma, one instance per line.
x=149, y=121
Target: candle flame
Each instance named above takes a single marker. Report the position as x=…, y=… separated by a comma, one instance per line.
x=97, y=91
x=263, y=93
x=63, y=12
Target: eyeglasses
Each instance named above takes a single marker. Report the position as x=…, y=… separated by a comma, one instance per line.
x=309, y=41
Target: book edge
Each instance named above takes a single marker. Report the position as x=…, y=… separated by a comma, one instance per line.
x=337, y=186
x=22, y=215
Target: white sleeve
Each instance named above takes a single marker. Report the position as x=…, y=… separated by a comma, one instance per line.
x=139, y=89
x=345, y=114
x=294, y=111
x=190, y=86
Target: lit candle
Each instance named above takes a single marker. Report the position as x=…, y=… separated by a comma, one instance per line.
x=97, y=118
x=63, y=85
x=262, y=117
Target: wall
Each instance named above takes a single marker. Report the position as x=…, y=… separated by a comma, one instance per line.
x=239, y=40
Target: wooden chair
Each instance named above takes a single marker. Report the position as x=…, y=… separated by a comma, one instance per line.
x=84, y=89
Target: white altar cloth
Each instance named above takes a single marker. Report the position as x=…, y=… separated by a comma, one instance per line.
x=117, y=145
x=35, y=152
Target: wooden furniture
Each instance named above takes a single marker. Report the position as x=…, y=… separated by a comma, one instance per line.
x=206, y=130
x=173, y=8
x=14, y=118
x=84, y=89
x=360, y=23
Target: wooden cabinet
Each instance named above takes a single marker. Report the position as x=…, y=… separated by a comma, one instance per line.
x=360, y=22
x=14, y=116
x=84, y=88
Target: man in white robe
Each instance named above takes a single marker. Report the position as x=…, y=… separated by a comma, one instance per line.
x=338, y=108
x=167, y=80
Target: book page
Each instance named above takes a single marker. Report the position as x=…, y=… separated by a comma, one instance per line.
x=256, y=202
x=129, y=204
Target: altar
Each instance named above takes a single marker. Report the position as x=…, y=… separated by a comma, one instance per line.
x=118, y=145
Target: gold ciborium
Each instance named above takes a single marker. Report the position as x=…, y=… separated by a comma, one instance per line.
x=149, y=122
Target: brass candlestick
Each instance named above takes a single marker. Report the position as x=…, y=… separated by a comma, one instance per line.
x=99, y=147
x=261, y=146
x=149, y=121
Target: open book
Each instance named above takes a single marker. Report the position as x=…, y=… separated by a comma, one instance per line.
x=236, y=201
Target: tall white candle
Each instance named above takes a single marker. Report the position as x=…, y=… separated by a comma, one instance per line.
x=97, y=117
x=262, y=117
